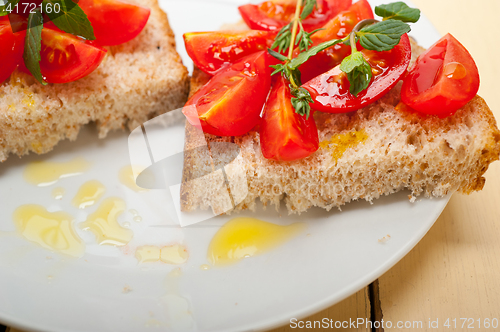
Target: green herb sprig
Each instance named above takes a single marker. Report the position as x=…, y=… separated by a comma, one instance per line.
x=376, y=36
x=371, y=34
x=286, y=39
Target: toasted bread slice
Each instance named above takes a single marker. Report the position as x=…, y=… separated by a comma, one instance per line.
x=375, y=151
x=137, y=80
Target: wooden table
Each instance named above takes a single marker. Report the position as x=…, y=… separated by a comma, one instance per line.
x=454, y=272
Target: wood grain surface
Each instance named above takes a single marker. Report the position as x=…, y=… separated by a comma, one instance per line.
x=352, y=308
x=454, y=272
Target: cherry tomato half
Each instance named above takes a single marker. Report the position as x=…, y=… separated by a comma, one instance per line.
x=11, y=48
x=231, y=102
x=443, y=80
x=273, y=15
x=337, y=28
x=214, y=51
x=66, y=58
x=284, y=134
x=330, y=91
x=115, y=22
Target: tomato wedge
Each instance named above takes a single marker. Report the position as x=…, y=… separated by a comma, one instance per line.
x=337, y=28
x=11, y=48
x=231, y=102
x=443, y=80
x=330, y=91
x=284, y=134
x=273, y=15
x=115, y=22
x=343, y=23
x=66, y=58
x=214, y=51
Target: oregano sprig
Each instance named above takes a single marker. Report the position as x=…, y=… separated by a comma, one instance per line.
x=398, y=11
x=358, y=70
x=288, y=37
x=382, y=36
x=376, y=36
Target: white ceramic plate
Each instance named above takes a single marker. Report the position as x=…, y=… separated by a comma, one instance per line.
x=107, y=290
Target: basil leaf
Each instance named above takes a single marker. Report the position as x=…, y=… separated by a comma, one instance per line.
x=359, y=72
x=304, y=56
x=7, y=7
x=382, y=36
x=70, y=18
x=33, y=45
x=398, y=11
x=308, y=9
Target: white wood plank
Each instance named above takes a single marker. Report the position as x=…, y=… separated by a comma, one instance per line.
x=454, y=271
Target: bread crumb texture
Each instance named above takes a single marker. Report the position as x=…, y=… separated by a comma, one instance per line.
x=375, y=151
x=136, y=81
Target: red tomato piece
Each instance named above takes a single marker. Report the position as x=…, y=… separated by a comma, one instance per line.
x=330, y=91
x=443, y=80
x=11, y=48
x=343, y=23
x=338, y=27
x=115, y=22
x=214, y=51
x=66, y=58
x=284, y=134
x=273, y=15
x=231, y=102
x=18, y=23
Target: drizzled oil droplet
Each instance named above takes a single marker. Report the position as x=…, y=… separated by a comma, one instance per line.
x=88, y=194
x=51, y=230
x=58, y=193
x=454, y=70
x=340, y=143
x=104, y=223
x=45, y=173
x=246, y=237
x=174, y=254
x=148, y=254
x=126, y=176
